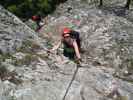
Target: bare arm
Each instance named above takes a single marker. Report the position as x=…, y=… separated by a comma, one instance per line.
x=76, y=49
x=56, y=46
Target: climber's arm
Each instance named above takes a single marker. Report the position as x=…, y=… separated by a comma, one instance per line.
x=76, y=49
x=56, y=46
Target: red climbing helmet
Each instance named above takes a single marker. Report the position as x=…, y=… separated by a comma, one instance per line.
x=66, y=32
x=34, y=18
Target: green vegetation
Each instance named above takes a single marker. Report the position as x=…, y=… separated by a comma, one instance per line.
x=3, y=57
x=122, y=98
x=13, y=98
x=28, y=46
x=127, y=4
x=3, y=72
x=29, y=49
x=27, y=8
x=26, y=60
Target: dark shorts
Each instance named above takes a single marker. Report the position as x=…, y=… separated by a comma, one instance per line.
x=70, y=55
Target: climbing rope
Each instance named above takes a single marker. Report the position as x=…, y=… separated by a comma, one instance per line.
x=73, y=77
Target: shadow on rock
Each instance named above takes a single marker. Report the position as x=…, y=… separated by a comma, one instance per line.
x=118, y=11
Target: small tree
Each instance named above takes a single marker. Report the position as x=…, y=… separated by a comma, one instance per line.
x=128, y=4
x=101, y=3
x=28, y=8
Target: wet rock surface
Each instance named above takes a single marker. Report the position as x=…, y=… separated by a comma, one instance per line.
x=105, y=73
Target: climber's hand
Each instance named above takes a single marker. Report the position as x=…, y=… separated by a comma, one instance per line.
x=50, y=51
x=78, y=61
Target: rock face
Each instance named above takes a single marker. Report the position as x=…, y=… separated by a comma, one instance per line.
x=12, y=32
x=106, y=70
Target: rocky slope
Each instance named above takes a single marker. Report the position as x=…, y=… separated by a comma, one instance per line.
x=30, y=73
